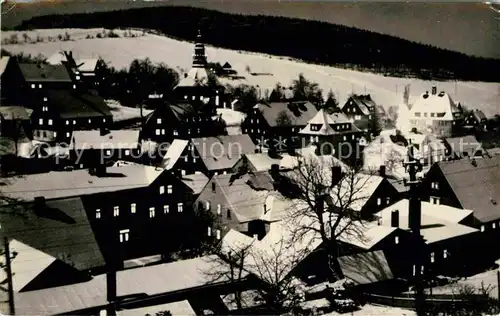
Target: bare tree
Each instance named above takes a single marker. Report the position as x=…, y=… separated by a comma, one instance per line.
x=312, y=186
x=278, y=292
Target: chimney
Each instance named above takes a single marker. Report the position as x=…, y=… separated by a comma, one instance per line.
x=434, y=90
x=382, y=171
x=111, y=285
x=395, y=218
x=104, y=131
x=336, y=174
x=415, y=214
x=39, y=203
x=100, y=170
x=275, y=170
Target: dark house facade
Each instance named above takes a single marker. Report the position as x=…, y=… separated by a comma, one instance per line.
x=181, y=120
x=334, y=135
x=360, y=110
x=476, y=120
x=468, y=184
x=276, y=126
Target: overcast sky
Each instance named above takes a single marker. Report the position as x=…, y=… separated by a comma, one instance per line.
x=472, y=28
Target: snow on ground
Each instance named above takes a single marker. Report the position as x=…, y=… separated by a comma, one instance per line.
x=373, y=310
x=233, y=120
x=123, y=113
x=386, y=91
x=489, y=278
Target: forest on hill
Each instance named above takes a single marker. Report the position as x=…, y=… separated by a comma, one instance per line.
x=309, y=41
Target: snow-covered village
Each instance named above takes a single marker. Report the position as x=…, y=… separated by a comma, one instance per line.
x=177, y=160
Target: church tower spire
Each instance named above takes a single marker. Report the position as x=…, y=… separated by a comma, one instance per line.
x=199, y=57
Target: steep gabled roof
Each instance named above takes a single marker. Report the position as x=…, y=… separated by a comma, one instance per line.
x=61, y=230
x=222, y=152
x=246, y=201
x=42, y=72
x=63, y=184
x=468, y=144
x=326, y=120
x=479, y=115
x=15, y=113
x=363, y=103
x=196, y=182
x=298, y=113
x=117, y=139
x=174, y=152
x=70, y=104
x=477, y=187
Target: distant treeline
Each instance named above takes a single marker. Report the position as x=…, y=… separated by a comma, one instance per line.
x=310, y=41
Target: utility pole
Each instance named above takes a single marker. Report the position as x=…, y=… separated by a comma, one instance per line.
x=413, y=167
x=8, y=270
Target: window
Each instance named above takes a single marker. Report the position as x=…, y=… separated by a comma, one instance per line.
x=166, y=209
x=388, y=200
x=189, y=131
x=98, y=213
x=158, y=120
x=494, y=225
x=67, y=122
x=218, y=210
x=104, y=120
x=396, y=240
x=379, y=201
x=124, y=235
x=345, y=138
x=163, y=131
x=40, y=86
x=432, y=257
x=207, y=205
x=175, y=132
x=414, y=269
x=179, y=207
x=67, y=134
x=108, y=152
x=116, y=211
x=357, y=117
x=353, y=136
x=162, y=189
x=127, y=152
x=44, y=109
x=209, y=231
x=151, y=212
x=40, y=121
x=218, y=233
x=169, y=189
x=77, y=77
x=74, y=122
x=157, y=132
x=132, y=208
x=186, y=158
x=435, y=200
x=74, y=86
x=50, y=122
x=445, y=253
x=33, y=86
x=194, y=160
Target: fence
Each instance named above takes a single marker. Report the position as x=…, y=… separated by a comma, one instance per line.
x=441, y=301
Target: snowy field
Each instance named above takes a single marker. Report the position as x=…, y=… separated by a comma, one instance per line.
x=121, y=51
x=373, y=310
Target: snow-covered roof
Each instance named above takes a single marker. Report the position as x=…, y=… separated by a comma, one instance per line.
x=195, y=76
x=438, y=104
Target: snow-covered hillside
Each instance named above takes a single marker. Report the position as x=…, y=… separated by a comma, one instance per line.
x=121, y=51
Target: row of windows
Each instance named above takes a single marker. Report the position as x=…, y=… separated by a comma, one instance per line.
x=33, y=86
x=418, y=114
x=219, y=207
x=387, y=201
x=217, y=233
x=50, y=122
x=133, y=209
x=433, y=255
x=493, y=226
x=435, y=185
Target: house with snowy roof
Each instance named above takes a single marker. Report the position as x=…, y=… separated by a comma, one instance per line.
x=436, y=113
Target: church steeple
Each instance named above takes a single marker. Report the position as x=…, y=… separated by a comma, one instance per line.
x=199, y=57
